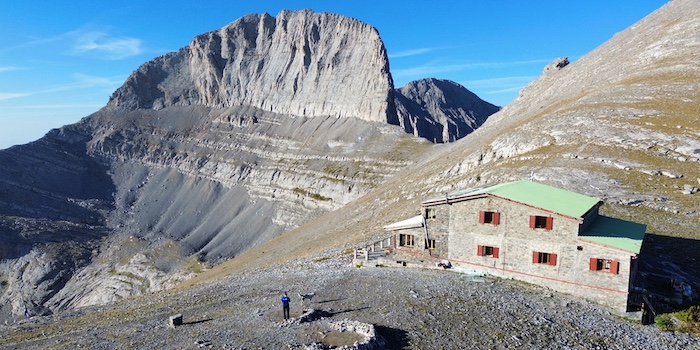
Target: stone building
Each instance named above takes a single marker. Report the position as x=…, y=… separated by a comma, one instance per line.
x=527, y=231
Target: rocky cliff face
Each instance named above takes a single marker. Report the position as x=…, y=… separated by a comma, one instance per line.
x=202, y=154
x=440, y=110
x=300, y=63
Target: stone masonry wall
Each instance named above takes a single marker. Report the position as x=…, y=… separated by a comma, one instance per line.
x=438, y=226
x=517, y=242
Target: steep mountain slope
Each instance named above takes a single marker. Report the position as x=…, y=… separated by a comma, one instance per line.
x=248, y=132
x=434, y=109
x=620, y=123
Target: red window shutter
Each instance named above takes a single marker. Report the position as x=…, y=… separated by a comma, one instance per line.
x=479, y=250
x=594, y=264
x=614, y=266
x=533, y=219
x=481, y=217
x=553, y=259
x=550, y=221
x=535, y=257
x=495, y=252
x=496, y=218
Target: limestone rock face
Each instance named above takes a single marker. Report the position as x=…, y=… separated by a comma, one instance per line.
x=440, y=110
x=300, y=63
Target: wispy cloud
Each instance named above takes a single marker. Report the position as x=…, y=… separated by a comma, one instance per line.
x=11, y=95
x=105, y=46
x=54, y=106
x=413, y=52
x=8, y=69
x=84, y=81
x=427, y=70
x=99, y=43
x=499, y=83
x=80, y=82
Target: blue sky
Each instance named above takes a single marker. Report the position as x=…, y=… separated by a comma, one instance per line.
x=60, y=61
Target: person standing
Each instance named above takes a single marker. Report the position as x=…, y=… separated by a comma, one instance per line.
x=285, y=305
x=26, y=312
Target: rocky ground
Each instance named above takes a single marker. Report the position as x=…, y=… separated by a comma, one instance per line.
x=411, y=309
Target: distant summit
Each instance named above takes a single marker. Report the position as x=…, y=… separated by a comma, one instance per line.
x=440, y=110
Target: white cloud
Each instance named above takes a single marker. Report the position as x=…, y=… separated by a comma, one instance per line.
x=54, y=106
x=507, y=83
x=7, y=69
x=92, y=80
x=84, y=81
x=427, y=70
x=408, y=53
x=101, y=44
x=11, y=95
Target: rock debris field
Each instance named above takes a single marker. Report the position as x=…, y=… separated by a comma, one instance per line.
x=409, y=308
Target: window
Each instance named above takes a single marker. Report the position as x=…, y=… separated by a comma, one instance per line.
x=489, y=217
x=484, y=250
x=606, y=265
x=405, y=240
x=430, y=213
x=544, y=258
x=542, y=222
x=430, y=244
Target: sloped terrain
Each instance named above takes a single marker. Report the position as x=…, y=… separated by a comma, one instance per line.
x=202, y=154
x=411, y=309
x=208, y=189
x=619, y=124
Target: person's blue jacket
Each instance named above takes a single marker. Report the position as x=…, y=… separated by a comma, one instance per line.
x=285, y=300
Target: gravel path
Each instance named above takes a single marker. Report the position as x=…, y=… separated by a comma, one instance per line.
x=411, y=309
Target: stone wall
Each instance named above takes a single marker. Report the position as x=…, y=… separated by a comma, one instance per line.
x=516, y=242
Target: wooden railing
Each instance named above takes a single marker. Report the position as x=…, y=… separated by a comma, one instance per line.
x=375, y=250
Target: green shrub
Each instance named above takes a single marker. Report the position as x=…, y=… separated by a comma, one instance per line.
x=319, y=197
x=664, y=322
x=689, y=315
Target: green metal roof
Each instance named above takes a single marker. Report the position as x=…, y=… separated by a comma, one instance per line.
x=534, y=194
x=545, y=197
x=617, y=233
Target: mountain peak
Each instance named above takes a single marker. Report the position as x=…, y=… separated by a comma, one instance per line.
x=300, y=63
x=440, y=110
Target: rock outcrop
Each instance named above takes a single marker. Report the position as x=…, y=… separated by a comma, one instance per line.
x=300, y=63
x=440, y=110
